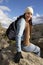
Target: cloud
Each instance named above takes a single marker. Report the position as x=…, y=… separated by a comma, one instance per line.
x=37, y=14
x=4, y=19
x=5, y=8
x=37, y=19
x=14, y=18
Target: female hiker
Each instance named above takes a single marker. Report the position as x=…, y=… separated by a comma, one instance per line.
x=23, y=34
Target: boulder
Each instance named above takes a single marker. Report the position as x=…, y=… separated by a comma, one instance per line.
x=40, y=42
x=6, y=58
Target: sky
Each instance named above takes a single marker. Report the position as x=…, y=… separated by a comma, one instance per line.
x=11, y=9
x=14, y=8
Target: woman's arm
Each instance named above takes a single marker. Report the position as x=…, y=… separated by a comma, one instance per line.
x=20, y=30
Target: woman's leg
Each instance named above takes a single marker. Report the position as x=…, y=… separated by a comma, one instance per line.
x=31, y=48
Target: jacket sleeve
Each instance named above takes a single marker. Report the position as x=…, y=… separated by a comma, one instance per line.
x=19, y=33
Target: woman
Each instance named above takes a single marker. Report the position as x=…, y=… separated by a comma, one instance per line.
x=24, y=26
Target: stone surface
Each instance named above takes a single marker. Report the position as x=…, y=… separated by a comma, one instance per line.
x=7, y=49
x=7, y=55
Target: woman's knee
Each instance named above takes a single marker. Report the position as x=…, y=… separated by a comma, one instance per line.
x=38, y=49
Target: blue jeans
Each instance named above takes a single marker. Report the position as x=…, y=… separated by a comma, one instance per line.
x=32, y=48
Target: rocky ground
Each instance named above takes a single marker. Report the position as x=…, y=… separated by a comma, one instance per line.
x=7, y=49
x=37, y=36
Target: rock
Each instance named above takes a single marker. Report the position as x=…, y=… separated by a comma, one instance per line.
x=8, y=51
x=28, y=58
x=1, y=58
x=3, y=43
x=40, y=42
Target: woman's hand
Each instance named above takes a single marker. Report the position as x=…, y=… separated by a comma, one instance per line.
x=17, y=57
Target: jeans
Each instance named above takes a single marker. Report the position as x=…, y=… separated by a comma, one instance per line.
x=32, y=48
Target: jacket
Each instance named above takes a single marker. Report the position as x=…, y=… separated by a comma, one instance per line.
x=21, y=26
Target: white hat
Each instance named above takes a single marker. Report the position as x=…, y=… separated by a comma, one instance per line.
x=29, y=9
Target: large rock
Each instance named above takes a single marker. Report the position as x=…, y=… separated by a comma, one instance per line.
x=7, y=55
x=8, y=50
x=40, y=42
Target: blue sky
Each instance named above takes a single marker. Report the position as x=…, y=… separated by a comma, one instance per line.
x=10, y=9
x=17, y=7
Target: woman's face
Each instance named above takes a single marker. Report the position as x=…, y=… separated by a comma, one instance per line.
x=28, y=16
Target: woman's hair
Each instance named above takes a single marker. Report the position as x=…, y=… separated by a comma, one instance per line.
x=23, y=16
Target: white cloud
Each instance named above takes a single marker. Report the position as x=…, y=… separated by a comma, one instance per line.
x=37, y=19
x=14, y=18
x=4, y=19
x=37, y=14
x=4, y=8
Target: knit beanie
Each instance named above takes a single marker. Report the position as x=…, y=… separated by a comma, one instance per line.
x=29, y=9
